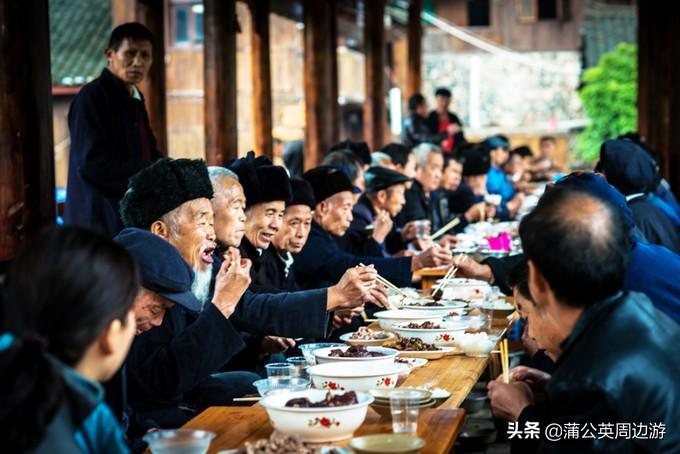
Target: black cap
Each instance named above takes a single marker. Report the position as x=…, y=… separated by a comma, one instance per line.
x=627, y=167
x=163, y=269
x=475, y=161
x=327, y=181
x=493, y=142
x=378, y=178
x=359, y=149
x=303, y=194
x=161, y=187
x=398, y=152
x=261, y=181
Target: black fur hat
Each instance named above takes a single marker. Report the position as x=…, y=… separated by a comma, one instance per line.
x=475, y=160
x=162, y=187
x=261, y=181
x=303, y=194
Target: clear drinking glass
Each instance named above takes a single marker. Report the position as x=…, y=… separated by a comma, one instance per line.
x=422, y=228
x=404, y=406
x=279, y=370
x=299, y=364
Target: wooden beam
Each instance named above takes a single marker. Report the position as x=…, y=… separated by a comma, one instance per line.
x=26, y=140
x=415, y=40
x=219, y=81
x=261, y=74
x=123, y=11
x=374, y=49
x=658, y=73
x=318, y=81
x=154, y=86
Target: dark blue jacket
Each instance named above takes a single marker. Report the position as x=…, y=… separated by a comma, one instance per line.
x=166, y=362
x=357, y=240
x=111, y=140
x=322, y=263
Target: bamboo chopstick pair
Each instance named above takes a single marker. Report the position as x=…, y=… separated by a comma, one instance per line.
x=390, y=285
x=445, y=228
x=505, y=364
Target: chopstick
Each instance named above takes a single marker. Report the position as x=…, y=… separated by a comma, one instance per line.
x=246, y=399
x=390, y=285
x=448, y=276
x=505, y=365
x=482, y=214
x=446, y=228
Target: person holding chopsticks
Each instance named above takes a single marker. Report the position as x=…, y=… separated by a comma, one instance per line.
x=611, y=346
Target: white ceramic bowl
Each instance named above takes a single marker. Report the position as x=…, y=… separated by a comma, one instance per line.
x=308, y=349
x=355, y=376
x=443, y=336
x=466, y=289
x=322, y=356
x=320, y=424
x=387, y=319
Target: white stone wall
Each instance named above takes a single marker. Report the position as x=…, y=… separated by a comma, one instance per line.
x=496, y=91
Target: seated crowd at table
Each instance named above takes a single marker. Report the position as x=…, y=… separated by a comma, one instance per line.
x=140, y=316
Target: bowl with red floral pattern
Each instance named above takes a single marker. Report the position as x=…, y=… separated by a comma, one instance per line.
x=317, y=415
x=355, y=376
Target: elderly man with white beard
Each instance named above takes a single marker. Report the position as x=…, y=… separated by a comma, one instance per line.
x=174, y=363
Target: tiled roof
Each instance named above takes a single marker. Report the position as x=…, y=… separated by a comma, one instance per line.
x=79, y=32
x=605, y=26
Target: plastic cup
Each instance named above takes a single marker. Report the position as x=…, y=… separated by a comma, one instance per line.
x=299, y=364
x=279, y=370
x=404, y=406
x=179, y=441
x=422, y=228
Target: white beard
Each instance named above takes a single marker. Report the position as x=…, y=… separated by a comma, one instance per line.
x=201, y=285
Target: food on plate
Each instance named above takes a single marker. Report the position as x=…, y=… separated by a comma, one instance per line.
x=357, y=351
x=424, y=325
x=279, y=443
x=413, y=344
x=428, y=304
x=363, y=333
x=338, y=400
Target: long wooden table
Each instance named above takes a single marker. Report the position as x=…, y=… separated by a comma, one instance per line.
x=236, y=425
x=439, y=427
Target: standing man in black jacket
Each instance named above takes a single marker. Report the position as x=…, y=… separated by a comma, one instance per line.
x=416, y=129
x=111, y=138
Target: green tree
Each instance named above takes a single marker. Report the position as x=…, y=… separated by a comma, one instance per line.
x=609, y=97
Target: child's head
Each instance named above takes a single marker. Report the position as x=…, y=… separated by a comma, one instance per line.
x=68, y=296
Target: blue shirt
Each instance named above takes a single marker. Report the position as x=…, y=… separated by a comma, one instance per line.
x=498, y=183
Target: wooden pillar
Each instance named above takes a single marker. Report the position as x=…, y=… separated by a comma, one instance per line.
x=374, y=48
x=219, y=66
x=26, y=141
x=318, y=81
x=152, y=15
x=261, y=73
x=415, y=40
x=335, y=84
x=658, y=73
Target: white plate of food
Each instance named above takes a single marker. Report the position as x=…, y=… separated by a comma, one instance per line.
x=387, y=319
x=411, y=362
x=367, y=337
x=416, y=348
